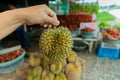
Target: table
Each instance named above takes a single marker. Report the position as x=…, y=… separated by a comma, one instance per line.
x=89, y=42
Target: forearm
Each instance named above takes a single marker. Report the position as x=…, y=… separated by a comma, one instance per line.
x=39, y=14
x=10, y=20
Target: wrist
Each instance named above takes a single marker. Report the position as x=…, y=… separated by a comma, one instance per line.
x=17, y=15
x=21, y=15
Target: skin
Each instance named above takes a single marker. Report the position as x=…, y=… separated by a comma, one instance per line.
x=39, y=14
x=13, y=7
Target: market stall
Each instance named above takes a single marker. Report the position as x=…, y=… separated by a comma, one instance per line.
x=57, y=55
x=55, y=59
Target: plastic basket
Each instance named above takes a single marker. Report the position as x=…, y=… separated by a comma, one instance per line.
x=79, y=46
x=12, y=65
x=112, y=41
x=88, y=34
x=110, y=45
x=111, y=53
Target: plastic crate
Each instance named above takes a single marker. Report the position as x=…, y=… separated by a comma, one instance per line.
x=111, y=53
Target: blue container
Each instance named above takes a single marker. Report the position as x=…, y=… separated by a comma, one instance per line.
x=108, y=53
x=12, y=65
x=88, y=34
x=112, y=41
x=79, y=46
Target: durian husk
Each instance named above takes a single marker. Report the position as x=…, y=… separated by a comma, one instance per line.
x=55, y=47
x=71, y=70
x=60, y=76
x=72, y=57
x=30, y=74
x=47, y=75
x=74, y=71
x=56, y=44
x=34, y=60
x=37, y=71
x=56, y=68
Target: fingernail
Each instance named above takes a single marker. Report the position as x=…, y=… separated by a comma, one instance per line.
x=45, y=25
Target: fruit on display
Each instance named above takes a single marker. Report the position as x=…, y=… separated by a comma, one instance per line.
x=87, y=30
x=47, y=68
x=10, y=56
x=60, y=76
x=56, y=44
x=72, y=57
x=30, y=74
x=56, y=68
x=111, y=33
x=45, y=61
x=37, y=71
x=73, y=71
x=72, y=21
x=47, y=75
x=64, y=62
x=34, y=60
x=104, y=24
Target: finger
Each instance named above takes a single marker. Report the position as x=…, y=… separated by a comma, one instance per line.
x=49, y=25
x=45, y=25
x=52, y=14
x=52, y=21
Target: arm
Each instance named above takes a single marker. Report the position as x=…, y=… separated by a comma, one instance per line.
x=40, y=14
x=10, y=20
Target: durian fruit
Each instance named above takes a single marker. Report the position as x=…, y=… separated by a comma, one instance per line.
x=56, y=68
x=34, y=60
x=47, y=75
x=37, y=71
x=30, y=75
x=73, y=71
x=46, y=41
x=61, y=76
x=44, y=61
x=64, y=62
x=56, y=43
x=72, y=57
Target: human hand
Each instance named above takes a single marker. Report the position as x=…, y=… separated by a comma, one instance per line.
x=41, y=14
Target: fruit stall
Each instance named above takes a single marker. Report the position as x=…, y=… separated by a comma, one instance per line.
x=57, y=56
x=55, y=60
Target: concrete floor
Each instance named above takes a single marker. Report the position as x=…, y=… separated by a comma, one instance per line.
x=100, y=68
x=96, y=68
